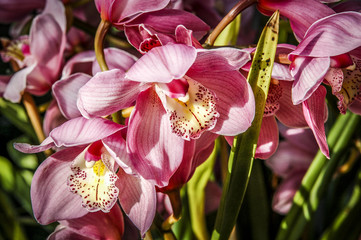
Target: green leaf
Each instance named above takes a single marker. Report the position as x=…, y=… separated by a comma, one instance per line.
x=229, y=35
x=196, y=194
x=244, y=145
x=16, y=114
x=183, y=228
x=7, y=179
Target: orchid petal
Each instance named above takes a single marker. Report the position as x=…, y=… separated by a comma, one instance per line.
x=138, y=200
x=163, y=64
x=116, y=59
x=268, y=138
x=327, y=36
x=53, y=118
x=57, y=10
x=53, y=201
x=315, y=112
x=155, y=150
x=106, y=93
x=66, y=93
x=82, y=62
x=308, y=73
x=289, y=114
x=17, y=84
x=161, y=22
x=234, y=99
x=301, y=138
x=98, y=225
x=62, y=233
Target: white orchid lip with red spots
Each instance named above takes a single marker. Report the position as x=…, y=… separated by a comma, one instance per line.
x=94, y=180
x=192, y=114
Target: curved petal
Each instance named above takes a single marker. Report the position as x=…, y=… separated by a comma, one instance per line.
x=98, y=225
x=163, y=64
x=301, y=138
x=116, y=59
x=268, y=138
x=50, y=196
x=156, y=151
x=327, y=36
x=234, y=99
x=53, y=118
x=215, y=59
x=81, y=62
x=315, y=111
x=62, y=233
x=66, y=93
x=161, y=22
x=289, y=114
x=309, y=73
x=138, y=200
x=106, y=93
x=17, y=84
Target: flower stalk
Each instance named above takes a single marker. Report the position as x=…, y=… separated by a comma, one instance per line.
x=100, y=34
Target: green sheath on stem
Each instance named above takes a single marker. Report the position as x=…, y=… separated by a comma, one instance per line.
x=244, y=145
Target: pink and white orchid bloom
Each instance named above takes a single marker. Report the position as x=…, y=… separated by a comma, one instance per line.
x=291, y=162
x=85, y=177
x=180, y=92
x=41, y=55
x=324, y=54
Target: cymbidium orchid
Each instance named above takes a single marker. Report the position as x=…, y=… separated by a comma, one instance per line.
x=40, y=55
x=290, y=162
x=15, y=10
x=180, y=92
x=323, y=54
x=312, y=113
x=91, y=174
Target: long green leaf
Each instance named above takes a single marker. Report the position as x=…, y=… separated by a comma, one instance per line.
x=244, y=145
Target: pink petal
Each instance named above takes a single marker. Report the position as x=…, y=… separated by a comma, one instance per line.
x=116, y=59
x=268, y=138
x=215, y=59
x=50, y=196
x=56, y=9
x=163, y=64
x=138, y=200
x=309, y=73
x=161, y=22
x=47, y=43
x=106, y=93
x=155, y=150
x=315, y=111
x=301, y=138
x=66, y=93
x=98, y=225
x=62, y=233
x=283, y=197
x=17, y=84
x=234, y=99
x=327, y=37
x=289, y=159
x=301, y=13
x=81, y=62
x=355, y=107
x=53, y=118
x=289, y=114
x=116, y=10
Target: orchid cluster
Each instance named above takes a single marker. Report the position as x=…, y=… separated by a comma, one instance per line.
x=152, y=115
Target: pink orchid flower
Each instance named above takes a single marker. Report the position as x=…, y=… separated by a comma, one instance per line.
x=15, y=10
x=291, y=162
x=40, y=55
x=119, y=12
x=158, y=28
x=97, y=225
x=312, y=113
x=180, y=92
x=323, y=54
x=91, y=174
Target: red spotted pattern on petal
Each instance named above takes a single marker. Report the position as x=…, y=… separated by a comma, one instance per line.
x=148, y=44
x=192, y=114
x=95, y=183
x=272, y=104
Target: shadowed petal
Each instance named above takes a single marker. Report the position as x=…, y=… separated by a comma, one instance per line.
x=156, y=151
x=268, y=138
x=106, y=93
x=50, y=196
x=138, y=200
x=315, y=112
